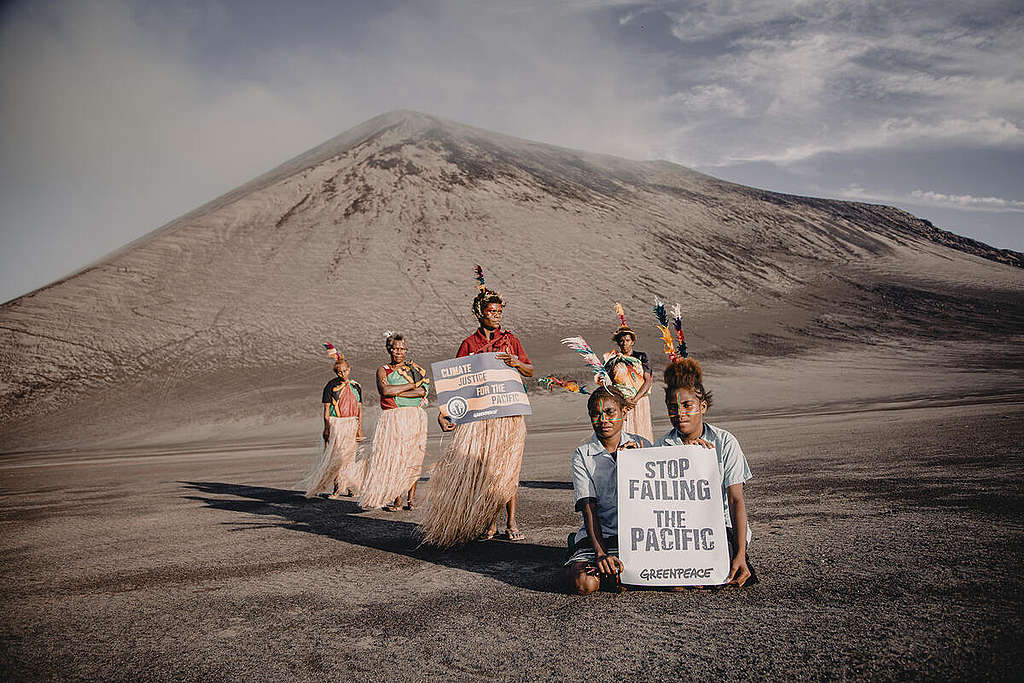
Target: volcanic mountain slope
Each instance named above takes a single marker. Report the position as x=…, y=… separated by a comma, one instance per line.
x=379, y=228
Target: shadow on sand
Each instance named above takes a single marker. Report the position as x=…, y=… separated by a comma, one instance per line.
x=526, y=565
x=556, y=485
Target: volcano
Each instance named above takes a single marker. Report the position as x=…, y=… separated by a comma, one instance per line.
x=222, y=312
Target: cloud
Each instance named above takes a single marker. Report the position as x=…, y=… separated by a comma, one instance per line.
x=962, y=202
x=820, y=77
x=967, y=202
x=120, y=115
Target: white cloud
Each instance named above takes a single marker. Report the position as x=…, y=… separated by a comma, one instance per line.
x=962, y=202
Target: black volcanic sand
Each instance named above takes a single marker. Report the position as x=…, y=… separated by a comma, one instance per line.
x=888, y=540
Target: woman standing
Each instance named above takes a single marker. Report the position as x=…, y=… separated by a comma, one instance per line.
x=478, y=474
x=632, y=374
x=400, y=439
x=337, y=469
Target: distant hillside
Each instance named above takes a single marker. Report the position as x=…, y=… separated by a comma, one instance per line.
x=380, y=227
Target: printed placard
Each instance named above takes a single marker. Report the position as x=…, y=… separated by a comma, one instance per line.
x=479, y=387
x=671, y=522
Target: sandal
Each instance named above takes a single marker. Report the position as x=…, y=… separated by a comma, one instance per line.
x=409, y=506
x=514, y=535
x=389, y=508
x=486, y=536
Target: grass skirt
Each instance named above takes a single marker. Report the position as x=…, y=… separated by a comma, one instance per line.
x=476, y=476
x=399, y=445
x=337, y=468
x=638, y=420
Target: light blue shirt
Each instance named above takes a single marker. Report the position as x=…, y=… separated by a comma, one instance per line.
x=595, y=475
x=732, y=464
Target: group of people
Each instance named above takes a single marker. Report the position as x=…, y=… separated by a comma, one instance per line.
x=477, y=475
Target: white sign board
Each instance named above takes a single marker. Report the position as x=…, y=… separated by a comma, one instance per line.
x=671, y=522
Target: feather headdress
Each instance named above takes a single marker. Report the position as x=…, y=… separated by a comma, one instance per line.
x=580, y=346
x=677, y=323
x=622, y=314
x=666, y=334
x=484, y=296
x=332, y=352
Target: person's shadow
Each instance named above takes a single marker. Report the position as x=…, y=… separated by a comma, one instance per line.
x=526, y=565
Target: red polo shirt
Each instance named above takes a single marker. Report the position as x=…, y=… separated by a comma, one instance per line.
x=502, y=341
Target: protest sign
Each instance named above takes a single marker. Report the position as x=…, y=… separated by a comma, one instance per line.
x=479, y=387
x=671, y=522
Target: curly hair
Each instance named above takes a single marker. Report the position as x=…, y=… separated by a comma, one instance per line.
x=605, y=392
x=391, y=339
x=685, y=373
x=484, y=298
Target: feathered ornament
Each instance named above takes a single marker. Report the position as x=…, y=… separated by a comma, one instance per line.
x=480, y=277
x=622, y=314
x=666, y=333
x=388, y=333
x=575, y=387
x=580, y=346
x=331, y=351
x=677, y=323
x=570, y=385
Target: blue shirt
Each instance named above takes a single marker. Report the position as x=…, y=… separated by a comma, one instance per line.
x=732, y=464
x=595, y=475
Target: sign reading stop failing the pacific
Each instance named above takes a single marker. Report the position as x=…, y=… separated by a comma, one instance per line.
x=479, y=387
x=671, y=521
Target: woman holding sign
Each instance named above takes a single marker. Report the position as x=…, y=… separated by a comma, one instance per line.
x=687, y=401
x=479, y=471
x=400, y=439
x=595, y=555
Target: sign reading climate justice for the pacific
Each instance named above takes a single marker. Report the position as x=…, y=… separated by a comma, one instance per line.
x=671, y=526
x=479, y=387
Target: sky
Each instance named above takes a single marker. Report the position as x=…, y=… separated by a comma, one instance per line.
x=119, y=116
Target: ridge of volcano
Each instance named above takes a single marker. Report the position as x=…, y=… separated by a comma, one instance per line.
x=379, y=228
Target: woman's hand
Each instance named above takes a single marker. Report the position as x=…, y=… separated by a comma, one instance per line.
x=446, y=423
x=699, y=442
x=630, y=444
x=327, y=435
x=359, y=437
x=509, y=360
x=608, y=565
x=738, y=572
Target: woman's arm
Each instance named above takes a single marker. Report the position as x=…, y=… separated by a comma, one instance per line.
x=327, y=421
x=646, y=387
x=359, y=428
x=738, y=571
x=606, y=564
x=525, y=369
x=391, y=390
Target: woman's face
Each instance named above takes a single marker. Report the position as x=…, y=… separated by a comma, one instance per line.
x=491, y=319
x=625, y=343
x=685, y=410
x=606, y=417
x=398, y=351
x=343, y=371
